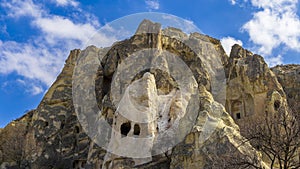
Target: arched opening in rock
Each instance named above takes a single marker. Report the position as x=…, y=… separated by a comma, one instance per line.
x=136, y=130
x=236, y=109
x=125, y=128
x=76, y=130
x=79, y=164
x=83, y=164
x=277, y=105
x=106, y=85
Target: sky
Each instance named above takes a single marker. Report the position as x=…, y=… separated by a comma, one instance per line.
x=36, y=36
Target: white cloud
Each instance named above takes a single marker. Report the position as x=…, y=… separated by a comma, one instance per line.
x=64, y=28
x=273, y=61
x=29, y=61
x=66, y=3
x=22, y=82
x=152, y=4
x=40, y=59
x=278, y=5
x=233, y=2
x=34, y=90
x=228, y=42
x=18, y=8
x=274, y=25
x=22, y=85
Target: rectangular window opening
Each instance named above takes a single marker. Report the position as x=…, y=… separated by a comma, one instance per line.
x=238, y=115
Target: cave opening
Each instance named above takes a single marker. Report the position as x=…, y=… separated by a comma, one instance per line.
x=136, y=130
x=125, y=128
x=77, y=129
x=277, y=105
x=238, y=115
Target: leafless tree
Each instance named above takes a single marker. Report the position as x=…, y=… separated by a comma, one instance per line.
x=277, y=136
x=12, y=143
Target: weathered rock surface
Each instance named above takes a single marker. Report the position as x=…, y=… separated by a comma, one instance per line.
x=13, y=140
x=254, y=93
x=52, y=136
x=252, y=88
x=289, y=77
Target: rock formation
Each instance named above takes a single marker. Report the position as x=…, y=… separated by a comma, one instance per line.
x=252, y=88
x=178, y=111
x=289, y=77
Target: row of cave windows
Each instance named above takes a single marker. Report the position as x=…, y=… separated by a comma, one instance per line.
x=277, y=105
x=126, y=127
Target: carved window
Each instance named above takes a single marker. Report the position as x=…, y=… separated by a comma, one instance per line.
x=125, y=128
x=238, y=115
x=76, y=130
x=236, y=109
x=83, y=164
x=136, y=130
x=62, y=125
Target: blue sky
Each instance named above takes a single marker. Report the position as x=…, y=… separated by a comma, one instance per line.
x=36, y=36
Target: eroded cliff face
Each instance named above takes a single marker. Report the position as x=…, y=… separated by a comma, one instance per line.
x=289, y=77
x=252, y=88
x=58, y=135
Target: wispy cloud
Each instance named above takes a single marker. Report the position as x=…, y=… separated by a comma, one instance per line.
x=40, y=59
x=69, y=29
x=228, y=42
x=32, y=61
x=34, y=89
x=152, y=4
x=18, y=8
x=3, y=29
x=273, y=61
x=66, y=3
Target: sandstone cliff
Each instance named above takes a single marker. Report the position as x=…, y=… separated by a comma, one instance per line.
x=64, y=133
x=289, y=77
x=252, y=88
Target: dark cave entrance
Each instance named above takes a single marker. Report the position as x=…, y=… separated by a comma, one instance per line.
x=125, y=128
